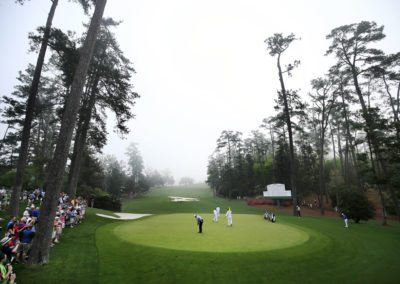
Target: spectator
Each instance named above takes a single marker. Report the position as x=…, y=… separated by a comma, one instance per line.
x=19, y=235
x=57, y=229
x=31, y=221
x=36, y=212
x=54, y=232
x=72, y=218
x=62, y=219
x=6, y=274
x=10, y=247
x=298, y=210
x=10, y=224
x=21, y=224
x=25, y=239
x=26, y=213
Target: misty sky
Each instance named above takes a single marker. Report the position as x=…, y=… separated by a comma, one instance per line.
x=202, y=66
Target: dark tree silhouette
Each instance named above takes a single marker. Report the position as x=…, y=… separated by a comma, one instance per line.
x=30, y=108
x=277, y=45
x=39, y=253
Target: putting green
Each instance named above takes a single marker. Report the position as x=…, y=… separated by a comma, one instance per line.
x=249, y=233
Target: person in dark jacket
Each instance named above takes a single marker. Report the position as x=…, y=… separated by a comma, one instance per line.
x=200, y=221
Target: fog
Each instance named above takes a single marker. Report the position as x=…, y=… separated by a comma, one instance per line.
x=202, y=66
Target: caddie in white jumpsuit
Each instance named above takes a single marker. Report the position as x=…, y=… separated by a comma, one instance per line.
x=229, y=216
x=215, y=219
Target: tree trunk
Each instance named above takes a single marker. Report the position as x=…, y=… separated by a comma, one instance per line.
x=382, y=199
x=340, y=152
x=30, y=109
x=80, y=141
x=346, y=166
x=398, y=104
x=291, y=147
x=321, y=172
x=335, y=167
x=39, y=253
x=273, y=153
x=349, y=143
x=324, y=124
x=393, y=106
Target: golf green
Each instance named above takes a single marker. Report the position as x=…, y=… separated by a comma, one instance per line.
x=249, y=233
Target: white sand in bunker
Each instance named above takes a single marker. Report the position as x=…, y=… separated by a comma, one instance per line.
x=124, y=216
x=182, y=199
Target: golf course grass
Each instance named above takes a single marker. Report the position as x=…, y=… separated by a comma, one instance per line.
x=166, y=248
x=179, y=232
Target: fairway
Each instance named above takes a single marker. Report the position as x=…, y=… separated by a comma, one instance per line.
x=166, y=248
x=179, y=232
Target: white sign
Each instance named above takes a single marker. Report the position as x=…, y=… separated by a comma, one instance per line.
x=276, y=190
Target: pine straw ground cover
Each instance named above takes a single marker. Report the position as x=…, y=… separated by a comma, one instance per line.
x=102, y=251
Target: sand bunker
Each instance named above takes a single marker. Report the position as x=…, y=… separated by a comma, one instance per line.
x=124, y=216
x=182, y=199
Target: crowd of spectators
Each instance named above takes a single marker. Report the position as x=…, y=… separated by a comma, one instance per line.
x=4, y=198
x=20, y=232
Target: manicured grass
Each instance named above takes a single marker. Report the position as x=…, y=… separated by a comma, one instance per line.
x=179, y=232
x=365, y=253
x=338, y=255
x=107, y=251
x=157, y=202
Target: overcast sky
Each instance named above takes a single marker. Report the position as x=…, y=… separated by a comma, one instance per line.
x=202, y=66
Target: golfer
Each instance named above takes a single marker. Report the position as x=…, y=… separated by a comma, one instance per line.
x=199, y=222
x=229, y=216
x=346, y=220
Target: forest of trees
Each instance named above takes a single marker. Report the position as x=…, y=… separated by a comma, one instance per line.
x=342, y=136
x=56, y=121
x=60, y=100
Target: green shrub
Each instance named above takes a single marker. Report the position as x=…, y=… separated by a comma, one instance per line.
x=7, y=179
x=107, y=203
x=89, y=192
x=356, y=206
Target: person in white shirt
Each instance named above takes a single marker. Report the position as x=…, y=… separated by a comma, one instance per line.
x=218, y=210
x=26, y=212
x=298, y=212
x=215, y=219
x=229, y=216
